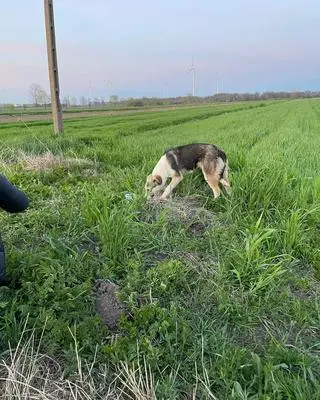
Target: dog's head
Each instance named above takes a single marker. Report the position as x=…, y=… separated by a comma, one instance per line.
x=151, y=183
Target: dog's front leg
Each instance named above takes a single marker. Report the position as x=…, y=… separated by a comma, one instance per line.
x=157, y=189
x=174, y=182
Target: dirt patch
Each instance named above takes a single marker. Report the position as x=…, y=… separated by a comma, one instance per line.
x=197, y=228
x=108, y=307
x=90, y=244
x=303, y=284
x=302, y=294
x=154, y=257
x=189, y=210
x=285, y=331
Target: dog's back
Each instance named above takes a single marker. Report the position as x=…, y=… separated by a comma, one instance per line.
x=188, y=157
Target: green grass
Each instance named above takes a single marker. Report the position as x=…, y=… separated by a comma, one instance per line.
x=109, y=107
x=223, y=301
x=122, y=106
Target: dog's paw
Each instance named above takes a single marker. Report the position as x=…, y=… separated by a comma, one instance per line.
x=153, y=200
x=163, y=200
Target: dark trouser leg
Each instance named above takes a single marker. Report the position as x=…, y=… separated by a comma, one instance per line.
x=12, y=199
x=2, y=263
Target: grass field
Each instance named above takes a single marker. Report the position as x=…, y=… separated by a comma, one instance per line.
x=20, y=112
x=221, y=297
x=47, y=110
x=41, y=110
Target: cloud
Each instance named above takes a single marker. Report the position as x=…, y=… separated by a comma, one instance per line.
x=21, y=48
x=143, y=47
x=22, y=76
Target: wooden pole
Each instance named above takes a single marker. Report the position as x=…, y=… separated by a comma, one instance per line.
x=53, y=67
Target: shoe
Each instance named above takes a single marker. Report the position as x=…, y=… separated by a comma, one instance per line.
x=4, y=282
x=11, y=284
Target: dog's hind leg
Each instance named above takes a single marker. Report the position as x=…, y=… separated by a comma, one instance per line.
x=213, y=182
x=210, y=175
x=174, y=182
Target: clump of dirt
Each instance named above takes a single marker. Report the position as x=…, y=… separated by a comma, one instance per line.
x=302, y=294
x=184, y=207
x=108, y=307
x=197, y=228
x=48, y=161
x=303, y=284
x=189, y=210
x=90, y=244
x=155, y=257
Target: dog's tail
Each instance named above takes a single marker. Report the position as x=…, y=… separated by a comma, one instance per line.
x=224, y=169
x=224, y=174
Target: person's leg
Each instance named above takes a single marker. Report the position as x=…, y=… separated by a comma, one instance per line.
x=2, y=265
x=12, y=199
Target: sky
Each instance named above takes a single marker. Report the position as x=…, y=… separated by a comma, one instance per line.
x=136, y=48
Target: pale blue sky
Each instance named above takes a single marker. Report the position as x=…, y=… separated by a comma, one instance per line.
x=146, y=46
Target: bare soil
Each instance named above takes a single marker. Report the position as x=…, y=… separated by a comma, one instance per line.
x=108, y=306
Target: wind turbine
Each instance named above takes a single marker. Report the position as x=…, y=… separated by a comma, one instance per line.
x=193, y=70
x=166, y=90
x=109, y=83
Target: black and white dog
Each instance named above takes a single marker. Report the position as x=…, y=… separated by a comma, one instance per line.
x=178, y=160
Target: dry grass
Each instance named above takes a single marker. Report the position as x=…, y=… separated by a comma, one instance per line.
x=26, y=373
x=138, y=383
x=40, y=162
x=48, y=161
x=7, y=157
x=44, y=161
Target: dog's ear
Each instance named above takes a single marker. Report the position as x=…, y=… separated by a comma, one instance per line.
x=157, y=179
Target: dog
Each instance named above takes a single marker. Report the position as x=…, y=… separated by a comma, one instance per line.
x=177, y=161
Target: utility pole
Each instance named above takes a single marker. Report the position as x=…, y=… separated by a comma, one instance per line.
x=53, y=67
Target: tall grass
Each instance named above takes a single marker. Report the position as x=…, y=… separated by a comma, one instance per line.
x=221, y=297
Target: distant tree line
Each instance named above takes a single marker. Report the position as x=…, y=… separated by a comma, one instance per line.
x=39, y=98
x=219, y=98
x=224, y=97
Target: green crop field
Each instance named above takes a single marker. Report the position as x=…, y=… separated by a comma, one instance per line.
x=220, y=298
